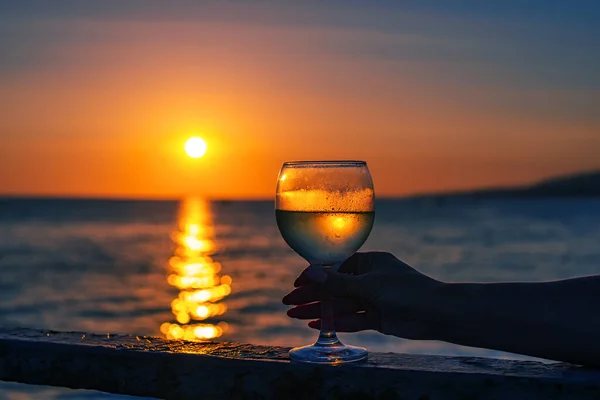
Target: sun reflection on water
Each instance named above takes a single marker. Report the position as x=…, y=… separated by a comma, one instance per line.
x=198, y=306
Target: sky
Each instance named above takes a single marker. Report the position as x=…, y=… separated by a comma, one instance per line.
x=97, y=98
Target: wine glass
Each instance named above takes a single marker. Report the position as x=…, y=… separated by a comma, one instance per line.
x=325, y=212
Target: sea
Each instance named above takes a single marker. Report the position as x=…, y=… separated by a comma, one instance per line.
x=217, y=270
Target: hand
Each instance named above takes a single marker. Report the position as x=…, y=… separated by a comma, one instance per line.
x=370, y=291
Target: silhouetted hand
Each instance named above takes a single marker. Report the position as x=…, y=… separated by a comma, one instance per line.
x=556, y=320
x=370, y=291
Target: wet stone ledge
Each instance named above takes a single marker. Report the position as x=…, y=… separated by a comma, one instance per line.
x=155, y=367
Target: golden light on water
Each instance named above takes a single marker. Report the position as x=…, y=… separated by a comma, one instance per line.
x=195, y=147
x=193, y=271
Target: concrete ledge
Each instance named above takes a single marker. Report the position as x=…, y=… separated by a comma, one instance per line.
x=155, y=367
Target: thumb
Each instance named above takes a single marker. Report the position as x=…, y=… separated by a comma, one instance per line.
x=336, y=283
x=343, y=285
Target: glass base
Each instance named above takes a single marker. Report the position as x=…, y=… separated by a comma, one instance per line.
x=330, y=353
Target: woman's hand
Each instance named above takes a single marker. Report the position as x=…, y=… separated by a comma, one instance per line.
x=370, y=291
x=557, y=320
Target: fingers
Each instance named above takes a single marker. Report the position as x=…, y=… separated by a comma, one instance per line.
x=344, y=285
x=356, y=264
x=302, y=280
x=335, y=285
x=351, y=323
x=303, y=295
x=341, y=307
x=311, y=274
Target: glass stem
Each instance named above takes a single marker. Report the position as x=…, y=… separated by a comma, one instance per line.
x=327, y=335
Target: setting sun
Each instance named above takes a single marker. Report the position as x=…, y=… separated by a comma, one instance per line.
x=195, y=147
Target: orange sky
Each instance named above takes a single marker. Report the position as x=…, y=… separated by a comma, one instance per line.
x=97, y=105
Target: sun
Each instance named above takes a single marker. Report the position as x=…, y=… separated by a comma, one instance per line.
x=195, y=147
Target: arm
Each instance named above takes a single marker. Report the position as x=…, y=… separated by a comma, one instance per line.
x=557, y=320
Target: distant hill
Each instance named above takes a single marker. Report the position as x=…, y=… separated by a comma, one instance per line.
x=585, y=184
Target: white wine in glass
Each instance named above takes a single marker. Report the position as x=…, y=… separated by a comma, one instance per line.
x=325, y=212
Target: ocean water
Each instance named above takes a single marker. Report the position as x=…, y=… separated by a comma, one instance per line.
x=199, y=269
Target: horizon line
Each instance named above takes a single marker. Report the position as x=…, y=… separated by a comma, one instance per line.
x=159, y=198
x=449, y=192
